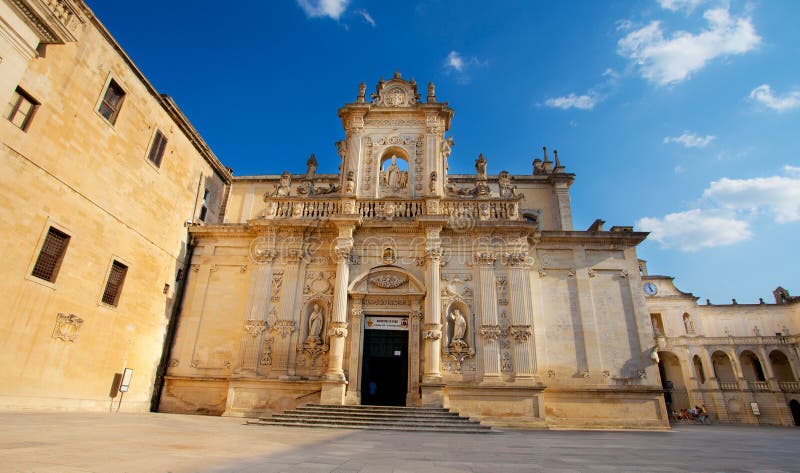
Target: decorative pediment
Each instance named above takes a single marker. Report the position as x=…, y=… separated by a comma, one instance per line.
x=396, y=92
x=387, y=280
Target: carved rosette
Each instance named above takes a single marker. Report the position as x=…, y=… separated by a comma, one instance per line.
x=521, y=333
x=490, y=332
x=388, y=281
x=254, y=328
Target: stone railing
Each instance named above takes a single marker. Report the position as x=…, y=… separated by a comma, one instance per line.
x=728, y=386
x=758, y=385
x=789, y=386
x=460, y=211
x=302, y=208
x=684, y=340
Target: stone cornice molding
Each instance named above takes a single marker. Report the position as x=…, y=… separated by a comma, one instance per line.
x=626, y=239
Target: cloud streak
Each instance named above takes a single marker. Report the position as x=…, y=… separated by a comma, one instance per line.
x=690, y=140
x=669, y=59
x=696, y=229
x=780, y=103
x=324, y=8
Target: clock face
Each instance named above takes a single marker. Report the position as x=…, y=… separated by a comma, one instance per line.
x=650, y=289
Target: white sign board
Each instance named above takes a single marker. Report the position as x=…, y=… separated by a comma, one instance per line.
x=386, y=323
x=126, y=380
x=755, y=409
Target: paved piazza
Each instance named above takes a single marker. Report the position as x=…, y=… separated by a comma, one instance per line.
x=67, y=443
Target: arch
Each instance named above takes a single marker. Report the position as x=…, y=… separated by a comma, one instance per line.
x=723, y=367
x=387, y=279
x=675, y=394
x=698, y=369
x=794, y=406
x=752, y=370
x=781, y=366
x=398, y=151
x=449, y=323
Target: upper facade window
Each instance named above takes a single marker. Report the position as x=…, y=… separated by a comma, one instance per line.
x=50, y=255
x=114, y=283
x=112, y=102
x=157, y=148
x=21, y=109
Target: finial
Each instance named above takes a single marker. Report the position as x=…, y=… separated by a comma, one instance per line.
x=544, y=150
x=733, y=301
x=412, y=81
x=558, y=163
x=431, y=93
x=708, y=301
x=397, y=75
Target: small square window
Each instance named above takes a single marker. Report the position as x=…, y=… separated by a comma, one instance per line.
x=157, y=148
x=112, y=102
x=21, y=109
x=51, y=255
x=114, y=283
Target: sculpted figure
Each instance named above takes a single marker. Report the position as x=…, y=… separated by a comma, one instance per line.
x=393, y=174
x=459, y=327
x=480, y=166
x=283, y=188
x=314, y=326
x=688, y=324
x=311, y=166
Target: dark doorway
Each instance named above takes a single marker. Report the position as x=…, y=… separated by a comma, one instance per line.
x=795, y=407
x=384, y=379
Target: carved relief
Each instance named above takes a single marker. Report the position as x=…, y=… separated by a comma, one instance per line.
x=277, y=282
x=319, y=282
x=316, y=319
x=67, y=326
x=506, y=365
x=502, y=289
x=432, y=335
x=254, y=328
x=490, y=332
x=266, y=357
x=521, y=333
x=388, y=281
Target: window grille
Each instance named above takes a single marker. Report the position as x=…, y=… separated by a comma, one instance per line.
x=114, y=283
x=51, y=255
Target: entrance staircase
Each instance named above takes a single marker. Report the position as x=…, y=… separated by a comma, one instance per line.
x=424, y=419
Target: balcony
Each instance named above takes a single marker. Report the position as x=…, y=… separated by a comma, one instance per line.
x=758, y=385
x=728, y=386
x=789, y=386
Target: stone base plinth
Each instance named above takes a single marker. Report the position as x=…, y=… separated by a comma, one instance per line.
x=333, y=392
x=499, y=405
x=606, y=407
x=432, y=395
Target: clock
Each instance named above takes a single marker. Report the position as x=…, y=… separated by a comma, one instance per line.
x=650, y=289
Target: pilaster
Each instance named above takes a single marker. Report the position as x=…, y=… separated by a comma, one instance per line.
x=490, y=326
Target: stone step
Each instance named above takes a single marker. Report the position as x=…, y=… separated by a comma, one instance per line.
x=470, y=430
x=374, y=417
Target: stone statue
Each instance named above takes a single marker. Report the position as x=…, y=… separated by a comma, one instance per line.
x=447, y=146
x=504, y=183
x=350, y=185
x=431, y=93
x=393, y=174
x=284, y=187
x=314, y=326
x=362, y=93
x=480, y=167
x=459, y=328
x=538, y=167
x=311, y=166
x=688, y=324
x=433, y=181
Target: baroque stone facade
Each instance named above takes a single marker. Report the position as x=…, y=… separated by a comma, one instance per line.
x=511, y=316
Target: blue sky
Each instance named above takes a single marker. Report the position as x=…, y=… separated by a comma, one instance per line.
x=681, y=117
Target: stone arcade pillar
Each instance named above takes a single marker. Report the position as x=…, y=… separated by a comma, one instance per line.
x=490, y=328
x=432, y=387
x=334, y=384
x=521, y=311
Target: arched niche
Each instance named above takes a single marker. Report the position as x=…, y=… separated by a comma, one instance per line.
x=387, y=280
x=451, y=323
x=394, y=173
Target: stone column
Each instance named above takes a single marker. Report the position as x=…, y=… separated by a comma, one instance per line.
x=416, y=316
x=490, y=327
x=333, y=389
x=432, y=387
x=353, y=395
x=283, y=328
x=255, y=318
x=521, y=308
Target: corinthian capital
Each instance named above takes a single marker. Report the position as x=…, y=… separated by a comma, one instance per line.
x=485, y=258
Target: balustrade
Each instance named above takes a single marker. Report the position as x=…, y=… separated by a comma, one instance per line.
x=728, y=386
x=789, y=386
x=759, y=385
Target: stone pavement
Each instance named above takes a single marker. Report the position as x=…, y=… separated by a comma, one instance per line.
x=91, y=442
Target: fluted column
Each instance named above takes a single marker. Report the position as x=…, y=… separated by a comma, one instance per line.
x=338, y=328
x=521, y=311
x=255, y=321
x=490, y=328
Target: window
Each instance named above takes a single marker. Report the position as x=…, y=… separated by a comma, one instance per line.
x=112, y=102
x=21, y=109
x=157, y=148
x=51, y=255
x=114, y=283
x=204, y=207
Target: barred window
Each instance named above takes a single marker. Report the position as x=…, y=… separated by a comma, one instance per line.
x=21, y=109
x=157, y=148
x=51, y=255
x=112, y=102
x=114, y=283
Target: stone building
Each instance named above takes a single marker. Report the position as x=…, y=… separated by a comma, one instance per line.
x=394, y=282
x=99, y=173
x=740, y=361
x=129, y=245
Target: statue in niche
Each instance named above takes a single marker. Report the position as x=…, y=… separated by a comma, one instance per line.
x=433, y=181
x=480, y=167
x=459, y=329
x=350, y=186
x=315, y=326
x=688, y=324
x=393, y=177
x=283, y=189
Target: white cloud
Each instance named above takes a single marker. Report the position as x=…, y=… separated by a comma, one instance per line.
x=794, y=170
x=367, y=17
x=690, y=140
x=582, y=102
x=666, y=61
x=763, y=94
x=677, y=5
x=317, y=8
x=456, y=63
x=777, y=195
x=696, y=229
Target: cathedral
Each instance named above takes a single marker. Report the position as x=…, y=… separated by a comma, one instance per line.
x=141, y=275
x=395, y=282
